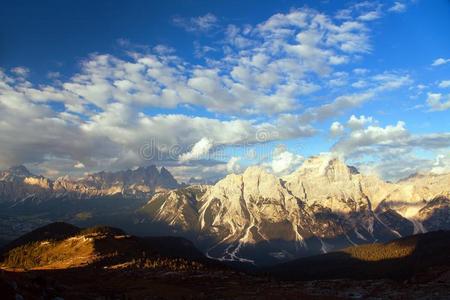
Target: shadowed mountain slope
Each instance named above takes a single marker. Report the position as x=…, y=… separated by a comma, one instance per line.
x=398, y=259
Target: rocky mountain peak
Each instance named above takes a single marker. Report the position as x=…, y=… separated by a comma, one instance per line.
x=253, y=181
x=326, y=165
x=167, y=179
x=15, y=171
x=259, y=183
x=254, y=171
x=415, y=176
x=19, y=170
x=148, y=175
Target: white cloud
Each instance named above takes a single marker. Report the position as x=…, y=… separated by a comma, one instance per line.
x=390, y=81
x=285, y=162
x=398, y=7
x=336, y=129
x=390, y=149
x=370, y=16
x=256, y=88
x=282, y=161
x=20, y=71
x=396, y=167
x=53, y=75
x=379, y=83
x=360, y=84
x=444, y=84
x=201, y=148
x=440, y=61
x=357, y=123
x=201, y=173
x=233, y=165
x=338, y=106
x=441, y=164
x=79, y=165
x=32, y=132
x=360, y=71
x=196, y=24
x=358, y=141
x=271, y=76
x=340, y=79
x=436, y=102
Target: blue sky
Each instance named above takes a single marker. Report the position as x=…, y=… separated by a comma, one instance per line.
x=215, y=86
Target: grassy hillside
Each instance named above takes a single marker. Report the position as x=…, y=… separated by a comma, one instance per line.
x=53, y=231
x=62, y=246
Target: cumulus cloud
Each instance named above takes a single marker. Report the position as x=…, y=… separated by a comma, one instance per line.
x=370, y=16
x=379, y=83
x=79, y=165
x=256, y=88
x=360, y=71
x=360, y=84
x=436, y=102
x=200, y=149
x=233, y=165
x=398, y=7
x=32, y=132
x=444, y=84
x=336, y=129
x=20, y=71
x=357, y=123
x=441, y=164
x=390, y=149
x=196, y=24
x=200, y=172
x=262, y=79
x=360, y=141
x=396, y=167
x=284, y=162
x=339, y=105
x=440, y=61
x=390, y=81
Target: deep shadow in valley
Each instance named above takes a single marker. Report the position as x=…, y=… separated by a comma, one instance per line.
x=400, y=259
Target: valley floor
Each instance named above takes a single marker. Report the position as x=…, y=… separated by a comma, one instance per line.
x=90, y=283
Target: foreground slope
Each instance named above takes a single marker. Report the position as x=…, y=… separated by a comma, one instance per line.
x=62, y=246
x=64, y=261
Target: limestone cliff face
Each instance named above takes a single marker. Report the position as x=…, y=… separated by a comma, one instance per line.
x=322, y=206
x=329, y=182
x=250, y=208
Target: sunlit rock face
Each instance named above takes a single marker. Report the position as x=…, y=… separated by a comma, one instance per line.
x=324, y=205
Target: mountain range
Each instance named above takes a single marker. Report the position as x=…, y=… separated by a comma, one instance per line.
x=254, y=217
x=325, y=205
x=17, y=184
